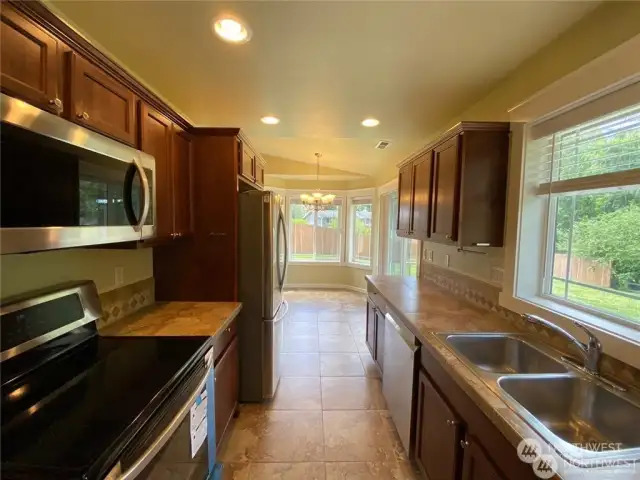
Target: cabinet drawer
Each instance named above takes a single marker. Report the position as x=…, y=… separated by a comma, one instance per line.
x=379, y=301
x=99, y=102
x=224, y=339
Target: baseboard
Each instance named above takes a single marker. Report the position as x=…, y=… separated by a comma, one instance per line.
x=323, y=286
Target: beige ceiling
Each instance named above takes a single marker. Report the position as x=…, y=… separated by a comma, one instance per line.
x=324, y=66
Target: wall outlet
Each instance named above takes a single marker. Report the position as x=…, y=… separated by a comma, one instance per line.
x=497, y=274
x=447, y=260
x=119, y=276
x=430, y=255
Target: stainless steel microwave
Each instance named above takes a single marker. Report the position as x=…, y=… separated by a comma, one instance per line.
x=64, y=186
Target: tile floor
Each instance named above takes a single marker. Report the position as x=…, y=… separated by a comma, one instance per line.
x=328, y=420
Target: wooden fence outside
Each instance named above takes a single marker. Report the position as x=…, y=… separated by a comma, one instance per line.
x=327, y=242
x=582, y=270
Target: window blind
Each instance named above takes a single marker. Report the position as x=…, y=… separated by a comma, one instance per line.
x=601, y=153
x=361, y=201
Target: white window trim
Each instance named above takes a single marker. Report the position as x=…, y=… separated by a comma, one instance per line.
x=521, y=292
x=370, y=195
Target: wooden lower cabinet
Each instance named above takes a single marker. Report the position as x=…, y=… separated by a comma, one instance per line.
x=454, y=439
x=438, y=448
x=477, y=464
x=226, y=388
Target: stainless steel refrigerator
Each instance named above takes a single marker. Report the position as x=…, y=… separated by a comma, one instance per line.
x=263, y=260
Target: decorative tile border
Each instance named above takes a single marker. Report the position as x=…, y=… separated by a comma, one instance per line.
x=125, y=300
x=486, y=296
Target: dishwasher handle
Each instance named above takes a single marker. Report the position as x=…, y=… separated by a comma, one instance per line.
x=403, y=332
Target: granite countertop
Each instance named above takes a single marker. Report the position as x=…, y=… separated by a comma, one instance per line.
x=175, y=319
x=427, y=309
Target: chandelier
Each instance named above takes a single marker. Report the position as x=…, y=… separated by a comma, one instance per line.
x=317, y=201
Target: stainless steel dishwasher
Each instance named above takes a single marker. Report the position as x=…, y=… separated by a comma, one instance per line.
x=400, y=351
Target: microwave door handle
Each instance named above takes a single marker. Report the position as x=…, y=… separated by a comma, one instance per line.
x=146, y=193
x=149, y=454
x=134, y=168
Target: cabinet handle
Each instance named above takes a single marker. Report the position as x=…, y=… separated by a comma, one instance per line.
x=464, y=443
x=56, y=102
x=452, y=423
x=178, y=234
x=217, y=234
x=83, y=116
x=448, y=237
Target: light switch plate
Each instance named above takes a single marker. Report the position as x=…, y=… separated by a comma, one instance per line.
x=430, y=255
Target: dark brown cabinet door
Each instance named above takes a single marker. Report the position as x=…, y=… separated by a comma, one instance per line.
x=444, y=214
x=226, y=388
x=422, y=181
x=370, y=333
x=477, y=464
x=380, y=321
x=30, y=61
x=247, y=163
x=405, y=199
x=100, y=102
x=438, y=434
x=181, y=171
x=155, y=139
x=260, y=174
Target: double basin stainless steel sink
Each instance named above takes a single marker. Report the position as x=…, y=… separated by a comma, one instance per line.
x=586, y=421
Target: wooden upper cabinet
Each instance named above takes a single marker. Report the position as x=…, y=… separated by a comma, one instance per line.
x=247, y=163
x=260, y=173
x=405, y=199
x=477, y=464
x=30, y=61
x=155, y=139
x=182, y=184
x=446, y=172
x=438, y=433
x=99, y=102
x=422, y=181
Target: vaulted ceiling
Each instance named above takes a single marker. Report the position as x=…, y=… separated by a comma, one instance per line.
x=322, y=67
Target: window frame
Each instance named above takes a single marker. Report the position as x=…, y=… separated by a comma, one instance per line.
x=528, y=223
x=350, y=219
x=293, y=195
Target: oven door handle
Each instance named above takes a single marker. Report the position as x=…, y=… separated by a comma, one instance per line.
x=137, y=224
x=147, y=457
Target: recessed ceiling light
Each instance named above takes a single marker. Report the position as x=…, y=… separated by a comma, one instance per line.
x=370, y=122
x=231, y=29
x=269, y=120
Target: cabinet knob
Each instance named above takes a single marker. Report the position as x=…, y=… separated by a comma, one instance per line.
x=448, y=237
x=464, y=443
x=83, y=116
x=56, y=102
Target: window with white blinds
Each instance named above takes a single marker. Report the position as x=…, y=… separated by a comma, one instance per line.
x=586, y=164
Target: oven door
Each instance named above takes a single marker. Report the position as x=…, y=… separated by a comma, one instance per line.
x=63, y=185
x=175, y=442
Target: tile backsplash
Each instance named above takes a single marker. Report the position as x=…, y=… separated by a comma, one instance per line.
x=125, y=300
x=486, y=296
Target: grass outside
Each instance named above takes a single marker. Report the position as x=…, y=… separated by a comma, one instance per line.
x=396, y=269
x=609, y=302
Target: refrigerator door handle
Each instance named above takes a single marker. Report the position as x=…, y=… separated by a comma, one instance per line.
x=286, y=250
